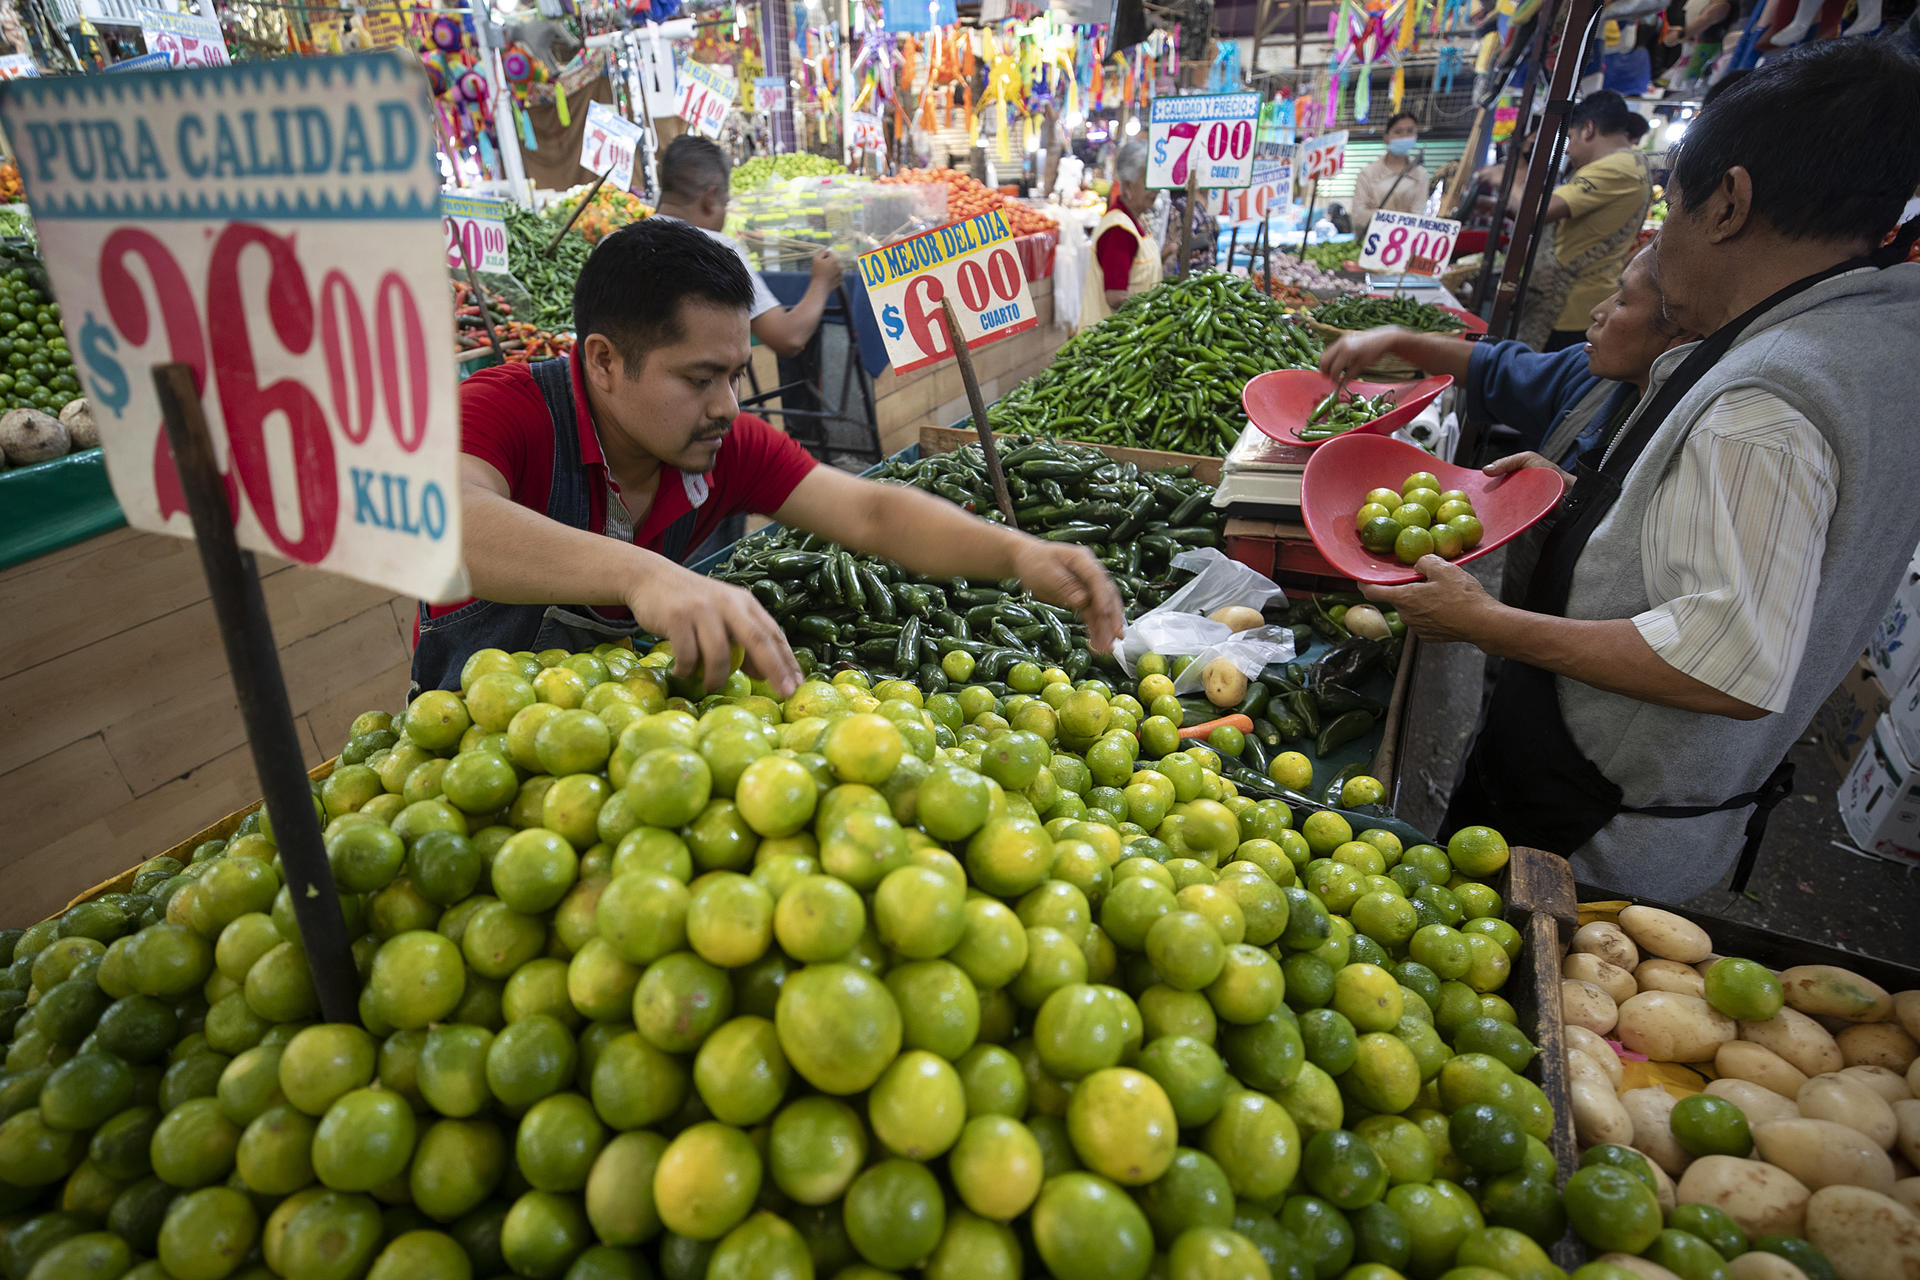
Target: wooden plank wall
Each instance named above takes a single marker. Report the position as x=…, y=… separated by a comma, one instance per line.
x=119, y=729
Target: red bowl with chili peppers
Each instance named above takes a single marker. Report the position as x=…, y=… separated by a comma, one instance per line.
x=1279, y=403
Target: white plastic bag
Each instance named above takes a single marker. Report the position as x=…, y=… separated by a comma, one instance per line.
x=1180, y=625
x=1248, y=651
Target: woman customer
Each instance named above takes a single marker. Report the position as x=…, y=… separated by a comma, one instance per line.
x=1396, y=180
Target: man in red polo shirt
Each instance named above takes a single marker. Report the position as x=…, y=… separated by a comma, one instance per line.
x=587, y=481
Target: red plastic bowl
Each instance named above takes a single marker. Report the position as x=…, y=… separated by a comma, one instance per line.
x=1279, y=402
x=1473, y=322
x=1338, y=477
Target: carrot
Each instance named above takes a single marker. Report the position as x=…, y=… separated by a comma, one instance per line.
x=1236, y=721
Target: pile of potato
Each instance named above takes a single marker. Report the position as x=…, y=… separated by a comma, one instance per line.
x=1829, y=1085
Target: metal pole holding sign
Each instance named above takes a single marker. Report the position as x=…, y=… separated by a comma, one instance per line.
x=248, y=637
x=1306, y=228
x=979, y=405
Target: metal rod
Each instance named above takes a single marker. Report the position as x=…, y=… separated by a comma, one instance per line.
x=579, y=209
x=255, y=666
x=1186, y=231
x=1532, y=207
x=979, y=405
x=1306, y=227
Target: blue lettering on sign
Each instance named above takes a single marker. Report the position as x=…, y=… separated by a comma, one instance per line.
x=383, y=500
x=1225, y=170
x=990, y=320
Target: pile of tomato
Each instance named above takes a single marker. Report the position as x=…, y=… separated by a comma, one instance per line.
x=969, y=198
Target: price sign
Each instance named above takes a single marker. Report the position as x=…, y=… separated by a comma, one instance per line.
x=770, y=95
x=1324, y=155
x=1207, y=135
x=706, y=95
x=297, y=271
x=973, y=263
x=608, y=145
x=386, y=29
x=868, y=133
x=1408, y=244
x=1272, y=186
x=476, y=228
x=16, y=66
x=187, y=39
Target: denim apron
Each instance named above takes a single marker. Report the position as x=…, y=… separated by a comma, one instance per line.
x=446, y=642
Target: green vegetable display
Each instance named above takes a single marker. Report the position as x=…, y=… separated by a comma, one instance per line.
x=1362, y=312
x=36, y=371
x=838, y=607
x=1165, y=371
x=1331, y=256
x=1334, y=416
x=549, y=276
x=749, y=175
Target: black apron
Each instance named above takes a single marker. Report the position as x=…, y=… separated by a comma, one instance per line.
x=1525, y=776
x=446, y=642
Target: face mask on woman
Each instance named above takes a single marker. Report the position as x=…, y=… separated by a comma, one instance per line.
x=1402, y=146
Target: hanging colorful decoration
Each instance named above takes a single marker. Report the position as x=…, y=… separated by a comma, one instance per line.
x=463, y=98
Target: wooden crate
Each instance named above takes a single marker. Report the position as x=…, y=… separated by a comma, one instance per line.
x=1540, y=902
x=947, y=439
x=183, y=850
x=1386, y=757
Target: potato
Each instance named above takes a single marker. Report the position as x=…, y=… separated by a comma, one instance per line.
x=1670, y=975
x=1237, y=616
x=1761, y=1198
x=1836, y=992
x=1225, y=683
x=1877, y=1044
x=1639, y=1266
x=1597, y=1048
x=1662, y=1184
x=1669, y=1027
x=1608, y=941
x=28, y=436
x=1835, y=1098
x=1610, y=978
x=1651, y=1111
x=1907, y=1192
x=1823, y=1153
x=1585, y=1005
x=1906, y=1119
x=1865, y=1235
x=1798, y=1039
x=77, y=418
x=1906, y=1010
x=1598, y=1116
x=1913, y=1077
x=1666, y=935
x=1745, y=1060
x=1367, y=622
x=1756, y=1265
x=1758, y=1104
x=1885, y=1081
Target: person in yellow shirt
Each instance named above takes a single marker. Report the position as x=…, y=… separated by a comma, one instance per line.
x=1593, y=222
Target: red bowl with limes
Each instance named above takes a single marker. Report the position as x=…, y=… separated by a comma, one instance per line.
x=1280, y=402
x=1338, y=478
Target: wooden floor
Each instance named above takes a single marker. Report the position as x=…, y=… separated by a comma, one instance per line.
x=119, y=730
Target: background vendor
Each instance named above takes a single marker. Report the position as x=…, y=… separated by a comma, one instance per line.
x=1126, y=261
x=1394, y=181
x=588, y=480
x=696, y=184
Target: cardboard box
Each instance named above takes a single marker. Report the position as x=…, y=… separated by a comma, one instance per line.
x=1880, y=799
x=1904, y=711
x=1845, y=720
x=1894, y=649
